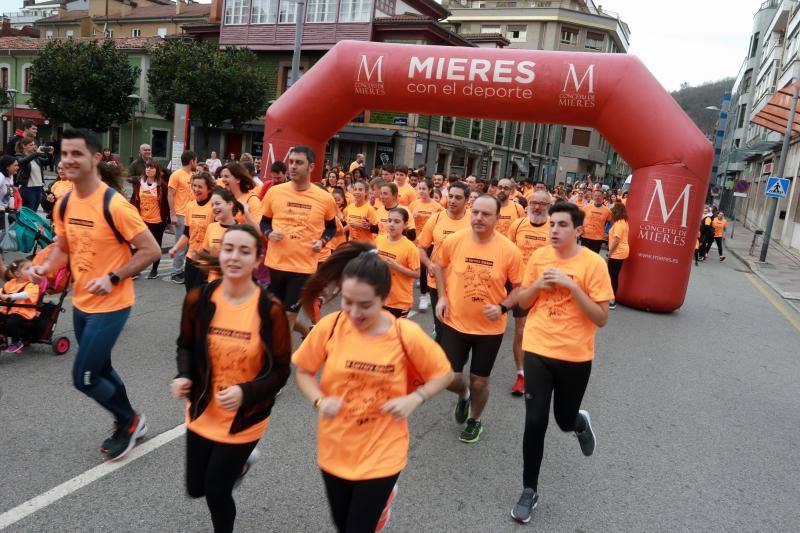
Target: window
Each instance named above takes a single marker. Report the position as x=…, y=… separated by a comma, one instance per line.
x=475, y=129
x=264, y=12
x=48, y=34
x=158, y=142
x=518, y=137
x=742, y=114
x=595, y=41
x=383, y=6
x=4, y=78
x=26, y=79
x=108, y=34
x=447, y=125
x=136, y=32
x=581, y=137
x=286, y=12
x=357, y=10
x=490, y=28
x=499, y=133
x=70, y=34
x=161, y=32
x=535, y=143
x=517, y=33
x=113, y=139
x=563, y=134
x=286, y=80
x=754, y=45
x=569, y=36
x=321, y=11
x=235, y=12
x=746, y=81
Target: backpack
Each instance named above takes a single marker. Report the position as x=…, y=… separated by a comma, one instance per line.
x=109, y=194
x=413, y=378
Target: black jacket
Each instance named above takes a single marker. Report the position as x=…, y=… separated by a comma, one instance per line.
x=193, y=359
x=24, y=172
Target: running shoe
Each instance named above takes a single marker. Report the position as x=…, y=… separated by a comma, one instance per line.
x=424, y=302
x=110, y=440
x=248, y=465
x=525, y=506
x=472, y=432
x=386, y=514
x=586, y=438
x=519, y=386
x=126, y=437
x=16, y=348
x=153, y=274
x=177, y=278
x=461, y=412
x=612, y=305
x=722, y=258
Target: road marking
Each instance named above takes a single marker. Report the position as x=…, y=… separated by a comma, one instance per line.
x=45, y=499
x=774, y=301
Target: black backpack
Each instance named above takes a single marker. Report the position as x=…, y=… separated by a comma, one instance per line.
x=109, y=194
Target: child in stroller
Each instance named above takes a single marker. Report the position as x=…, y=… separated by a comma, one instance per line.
x=17, y=321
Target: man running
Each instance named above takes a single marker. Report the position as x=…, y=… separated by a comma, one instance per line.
x=509, y=209
x=472, y=269
x=569, y=288
x=529, y=234
x=179, y=194
x=406, y=194
x=298, y=219
x=96, y=228
x=596, y=216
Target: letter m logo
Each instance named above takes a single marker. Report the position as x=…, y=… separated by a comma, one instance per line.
x=572, y=75
x=658, y=191
x=365, y=71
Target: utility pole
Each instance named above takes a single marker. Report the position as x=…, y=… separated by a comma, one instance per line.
x=773, y=205
x=298, y=40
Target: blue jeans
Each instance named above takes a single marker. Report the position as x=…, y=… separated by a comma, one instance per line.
x=180, y=257
x=92, y=373
x=31, y=197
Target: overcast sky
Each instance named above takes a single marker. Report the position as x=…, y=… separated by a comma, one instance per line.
x=679, y=40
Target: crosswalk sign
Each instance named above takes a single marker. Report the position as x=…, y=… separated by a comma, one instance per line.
x=776, y=188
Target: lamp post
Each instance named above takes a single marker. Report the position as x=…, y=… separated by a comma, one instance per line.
x=135, y=98
x=298, y=40
x=13, y=93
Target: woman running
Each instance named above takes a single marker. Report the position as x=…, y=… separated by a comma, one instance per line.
x=402, y=257
x=150, y=198
x=422, y=209
x=224, y=207
x=198, y=217
x=365, y=393
x=720, y=226
x=18, y=321
x=617, y=246
x=361, y=217
x=233, y=358
x=238, y=179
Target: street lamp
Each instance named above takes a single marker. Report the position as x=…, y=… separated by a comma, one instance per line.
x=13, y=93
x=135, y=98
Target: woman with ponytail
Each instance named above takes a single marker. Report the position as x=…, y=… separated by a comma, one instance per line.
x=402, y=257
x=376, y=370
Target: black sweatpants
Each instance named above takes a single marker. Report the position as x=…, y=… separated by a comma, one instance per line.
x=593, y=244
x=566, y=383
x=706, y=241
x=718, y=240
x=356, y=506
x=614, y=267
x=211, y=470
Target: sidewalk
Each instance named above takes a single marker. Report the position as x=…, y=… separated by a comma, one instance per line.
x=781, y=271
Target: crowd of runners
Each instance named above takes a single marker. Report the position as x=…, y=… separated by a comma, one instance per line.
x=265, y=254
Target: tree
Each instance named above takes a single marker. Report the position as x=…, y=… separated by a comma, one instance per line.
x=86, y=83
x=217, y=84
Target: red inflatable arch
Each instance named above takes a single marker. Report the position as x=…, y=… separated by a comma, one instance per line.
x=613, y=93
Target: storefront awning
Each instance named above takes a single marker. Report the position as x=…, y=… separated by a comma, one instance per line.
x=775, y=114
x=375, y=135
x=25, y=114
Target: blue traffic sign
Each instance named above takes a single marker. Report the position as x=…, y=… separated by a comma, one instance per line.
x=777, y=188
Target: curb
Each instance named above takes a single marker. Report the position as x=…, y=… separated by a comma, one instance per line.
x=752, y=266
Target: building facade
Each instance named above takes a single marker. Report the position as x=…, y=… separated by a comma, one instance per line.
x=567, y=25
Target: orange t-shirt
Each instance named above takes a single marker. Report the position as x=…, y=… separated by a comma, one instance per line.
x=149, y=206
x=301, y=216
x=236, y=356
x=508, y=214
x=212, y=242
x=338, y=239
x=14, y=286
x=363, y=442
x=61, y=187
x=719, y=227
x=556, y=327
x=528, y=237
x=383, y=218
x=252, y=205
x=406, y=195
x=181, y=182
x=198, y=217
x=620, y=230
x=405, y=254
x=355, y=215
x=594, y=222
x=434, y=232
x=476, y=276
x=94, y=251
x=422, y=211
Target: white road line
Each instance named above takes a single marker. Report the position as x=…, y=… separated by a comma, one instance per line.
x=68, y=487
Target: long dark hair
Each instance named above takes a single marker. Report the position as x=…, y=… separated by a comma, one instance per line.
x=111, y=175
x=240, y=172
x=228, y=197
x=619, y=212
x=351, y=260
x=5, y=162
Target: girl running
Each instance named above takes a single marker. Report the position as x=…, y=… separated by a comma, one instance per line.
x=238, y=179
x=422, y=209
x=617, y=246
x=18, y=289
x=364, y=394
x=233, y=358
x=150, y=198
x=402, y=257
x=361, y=217
x=198, y=217
x=224, y=207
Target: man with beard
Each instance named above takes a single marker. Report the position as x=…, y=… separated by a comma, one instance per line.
x=509, y=210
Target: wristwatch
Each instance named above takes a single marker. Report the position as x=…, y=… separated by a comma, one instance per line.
x=503, y=308
x=113, y=278
x=317, y=403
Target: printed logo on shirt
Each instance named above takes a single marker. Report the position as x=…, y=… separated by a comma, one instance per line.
x=230, y=333
x=387, y=254
x=477, y=279
x=80, y=222
x=369, y=367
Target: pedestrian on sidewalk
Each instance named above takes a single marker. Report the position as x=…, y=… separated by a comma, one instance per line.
x=617, y=247
x=150, y=198
x=707, y=231
x=98, y=250
x=30, y=177
x=233, y=358
x=720, y=226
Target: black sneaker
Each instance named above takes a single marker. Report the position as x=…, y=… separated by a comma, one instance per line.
x=461, y=412
x=126, y=437
x=153, y=274
x=110, y=440
x=177, y=278
x=248, y=465
x=471, y=433
x=525, y=506
x=586, y=438
x=612, y=305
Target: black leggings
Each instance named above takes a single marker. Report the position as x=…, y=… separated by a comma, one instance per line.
x=16, y=326
x=423, y=279
x=565, y=382
x=192, y=275
x=158, y=233
x=706, y=241
x=356, y=506
x=211, y=470
x=614, y=267
x=592, y=244
x=437, y=326
x=718, y=240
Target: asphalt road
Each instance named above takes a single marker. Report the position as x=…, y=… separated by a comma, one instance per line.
x=695, y=412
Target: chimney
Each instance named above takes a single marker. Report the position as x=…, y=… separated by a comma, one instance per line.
x=178, y=6
x=215, y=15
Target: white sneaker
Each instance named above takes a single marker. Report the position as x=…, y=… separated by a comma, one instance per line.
x=424, y=302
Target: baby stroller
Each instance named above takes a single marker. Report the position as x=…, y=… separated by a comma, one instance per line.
x=26, y=233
